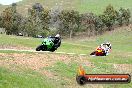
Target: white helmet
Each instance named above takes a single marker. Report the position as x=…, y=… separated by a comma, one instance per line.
x=57, y=35
x=107, y=42
x=101, y=45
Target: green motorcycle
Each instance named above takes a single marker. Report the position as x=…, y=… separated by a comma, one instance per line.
x=48, y=44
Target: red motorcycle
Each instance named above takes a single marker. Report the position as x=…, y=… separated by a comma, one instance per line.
x=99, y=52
x=102, y=50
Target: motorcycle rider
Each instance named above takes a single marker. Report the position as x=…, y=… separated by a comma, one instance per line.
x=106, y=47
x=56, y=40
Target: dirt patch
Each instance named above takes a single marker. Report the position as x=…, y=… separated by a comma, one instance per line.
x=37, y=61
x=123, y=68
x=18, y=47
x=33, y=61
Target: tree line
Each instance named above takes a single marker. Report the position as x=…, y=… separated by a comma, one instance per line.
x=41, y=21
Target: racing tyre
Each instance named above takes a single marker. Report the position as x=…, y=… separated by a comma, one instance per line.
x=39, y=48
x=53, y=49
x=93, y=53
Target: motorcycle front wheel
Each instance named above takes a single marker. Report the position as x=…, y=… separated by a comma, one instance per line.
x=39, y=48
x=93, y=53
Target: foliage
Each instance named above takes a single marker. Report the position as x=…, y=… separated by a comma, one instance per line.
x=11, y=19
x=1, y=21
x=44, y=22
x=123, y=16
x=38, y=21
x=70, y=20
x=98, y=24
x=88, y=22
x=109, y=16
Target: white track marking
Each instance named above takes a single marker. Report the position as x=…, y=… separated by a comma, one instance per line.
x=83, y=54
x=71, y=53
x=42, y=52
x=61, y=52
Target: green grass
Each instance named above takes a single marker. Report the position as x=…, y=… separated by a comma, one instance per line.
x=62, y=69
x=67, y=47
x=114, y=59
x=34, y=42
x=120, y=40
x=10, y=79
x=70, y=70
x=98, y=6
x=66, y=72
x=83, y=6
x=20, y=41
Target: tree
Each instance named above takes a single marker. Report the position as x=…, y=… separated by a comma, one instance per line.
x=11, y=19
x=70, y=20
x=55, y=22
x=99, y=25
x=87, y=22
x=109, y=17
x=38, y=20
x=0, y=21
x=123, y=16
